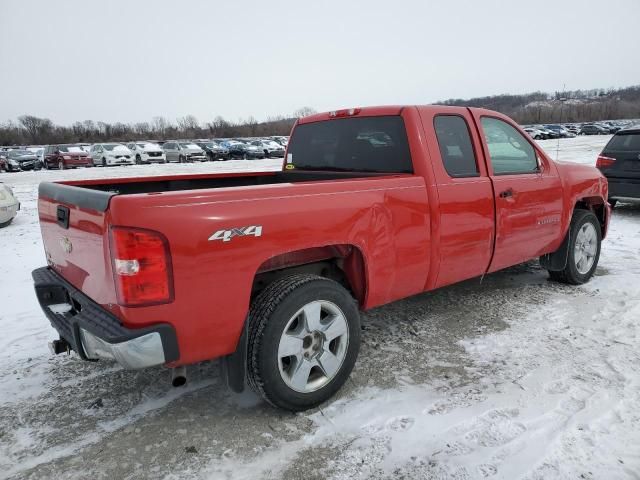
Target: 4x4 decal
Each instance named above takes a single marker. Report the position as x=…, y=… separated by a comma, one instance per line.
x=227, y=235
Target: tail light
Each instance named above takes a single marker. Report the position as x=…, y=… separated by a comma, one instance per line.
x=141, y=264
x=604, y=161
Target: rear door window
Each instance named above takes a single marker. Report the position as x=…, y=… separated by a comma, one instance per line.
x=455, y=145
x=361, y=144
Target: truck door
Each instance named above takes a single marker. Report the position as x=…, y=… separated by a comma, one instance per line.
x=527, y=192
x=465, y=196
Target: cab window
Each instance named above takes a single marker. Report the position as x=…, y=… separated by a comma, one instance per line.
x=509, y=151
x=455, y=145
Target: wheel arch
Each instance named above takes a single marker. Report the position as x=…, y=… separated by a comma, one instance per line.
x=597, y=205
x=344, y=263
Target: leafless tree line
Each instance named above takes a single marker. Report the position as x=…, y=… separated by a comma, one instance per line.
x=32, y=130
x=567, y=106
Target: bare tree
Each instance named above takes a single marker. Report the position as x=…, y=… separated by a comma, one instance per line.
x=35, y=127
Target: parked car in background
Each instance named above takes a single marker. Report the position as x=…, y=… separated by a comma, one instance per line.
x=620, y=163
x=547, y=132
x=9, y=205
x=111, y=154
x=39, y=151
x=535, y=133
x=147, y=152
x=610, y=126
x=284, y=141
x=66, y=156
x=183, y=151
x=269, y=147
x=18, y=160
x=592, y=129
x=245, y=151
x=213, y=150
x=560, y=130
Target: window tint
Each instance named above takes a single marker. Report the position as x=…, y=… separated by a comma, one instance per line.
x=455, y=145
x=510, y=152
x=624, y=142
x=364, y=144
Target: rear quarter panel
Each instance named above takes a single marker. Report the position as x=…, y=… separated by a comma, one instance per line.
x=386, y=218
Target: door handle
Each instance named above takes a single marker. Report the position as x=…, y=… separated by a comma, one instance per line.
x=507, y=193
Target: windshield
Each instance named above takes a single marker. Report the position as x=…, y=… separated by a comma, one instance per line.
x=365, y=144
x=19, y=153
x=114, y=146
x=148, y=146
x=189, y=145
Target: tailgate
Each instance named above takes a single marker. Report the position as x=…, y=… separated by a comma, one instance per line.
x=74, y=228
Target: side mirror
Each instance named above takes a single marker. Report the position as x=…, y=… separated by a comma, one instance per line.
x=57, y=152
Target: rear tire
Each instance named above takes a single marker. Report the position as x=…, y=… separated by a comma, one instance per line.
x=585, y=237
x=315, y=319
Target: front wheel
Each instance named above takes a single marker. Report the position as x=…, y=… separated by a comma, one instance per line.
x=61, y=165
x=304, y=338
x=585, y=237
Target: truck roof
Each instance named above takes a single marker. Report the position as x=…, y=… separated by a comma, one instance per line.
x=365, y=112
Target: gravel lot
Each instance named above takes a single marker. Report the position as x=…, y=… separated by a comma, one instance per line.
x=510, y=377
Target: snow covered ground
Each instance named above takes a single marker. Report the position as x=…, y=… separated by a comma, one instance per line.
x=511, y=377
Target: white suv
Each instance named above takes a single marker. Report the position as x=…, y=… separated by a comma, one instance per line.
x=108, y=154
x=147, y=152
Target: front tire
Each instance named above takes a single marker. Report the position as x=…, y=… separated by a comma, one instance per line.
x=61, y=165
x=304, y=338
x=585, y=237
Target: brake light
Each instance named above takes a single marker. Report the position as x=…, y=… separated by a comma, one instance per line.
x=604, y=161
x=347, y=112
x=141, y=264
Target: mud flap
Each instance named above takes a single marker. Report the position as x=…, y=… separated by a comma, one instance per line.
x=557, y=261
x=233, y=367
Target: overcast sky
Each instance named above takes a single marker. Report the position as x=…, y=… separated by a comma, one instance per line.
x=129, y=60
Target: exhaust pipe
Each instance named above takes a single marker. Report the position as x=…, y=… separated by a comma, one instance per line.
x=178, y=376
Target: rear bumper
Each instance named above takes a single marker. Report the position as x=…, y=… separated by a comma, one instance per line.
x=94, y=333
x=625, y=188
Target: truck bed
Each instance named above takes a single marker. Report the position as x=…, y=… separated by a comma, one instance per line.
x=82, y=195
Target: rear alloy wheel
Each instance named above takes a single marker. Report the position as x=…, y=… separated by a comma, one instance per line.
x=304, y=337
x=585, y=237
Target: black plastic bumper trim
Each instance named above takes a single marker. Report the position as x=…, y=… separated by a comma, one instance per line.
x=52, y=289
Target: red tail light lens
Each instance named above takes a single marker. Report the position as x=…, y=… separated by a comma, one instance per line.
x=604, y=161
x=141, y=264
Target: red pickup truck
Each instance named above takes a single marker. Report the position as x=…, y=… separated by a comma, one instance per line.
x=268, y=271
